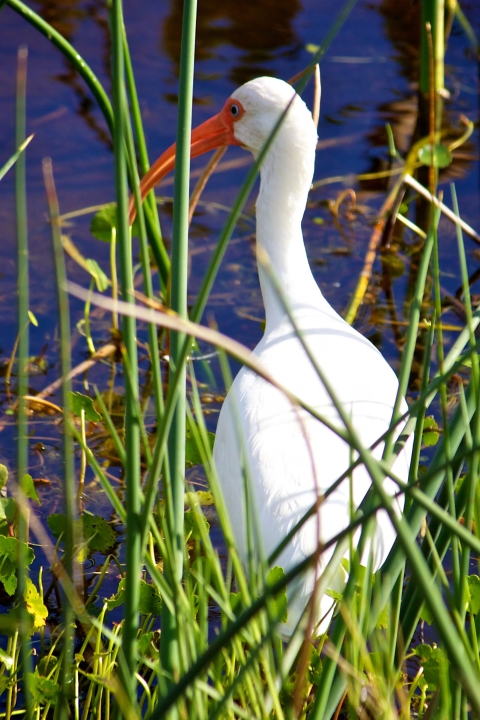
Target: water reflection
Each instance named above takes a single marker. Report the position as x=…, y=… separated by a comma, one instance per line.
x=263, y=30
x=402, y=27
x=67, y=16
x=259, y=28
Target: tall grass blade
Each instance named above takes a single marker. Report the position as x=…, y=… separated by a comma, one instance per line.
x=158, y=248
x=178, y=303
x=68, y=452
x=411, y=339
x=129, y=650
x=23, y=353
x=5, y=168
x=147, y=277
x=318, y=55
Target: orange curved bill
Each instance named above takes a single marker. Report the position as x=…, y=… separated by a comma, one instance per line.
x=209, y=135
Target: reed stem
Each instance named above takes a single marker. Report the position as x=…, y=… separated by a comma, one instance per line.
x=128, y=658
x=179, y=275
x=69, y=490
x=23, y=353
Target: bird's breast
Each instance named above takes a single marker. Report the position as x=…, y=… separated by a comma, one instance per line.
x=289, y=456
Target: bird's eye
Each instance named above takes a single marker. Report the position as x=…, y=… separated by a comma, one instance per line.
x=234, y=110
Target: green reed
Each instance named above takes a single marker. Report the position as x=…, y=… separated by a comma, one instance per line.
x=129, y=651
x=69, y=486
x=245, y=671
x=433, y=13
x=23, y=360
x=178, y=303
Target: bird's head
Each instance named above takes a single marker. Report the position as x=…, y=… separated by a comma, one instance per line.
x=247, y=119
x=258, y=106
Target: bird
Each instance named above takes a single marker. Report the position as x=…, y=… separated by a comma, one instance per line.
x=287, y=458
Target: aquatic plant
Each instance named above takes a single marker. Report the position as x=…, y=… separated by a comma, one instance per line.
x=187, y=633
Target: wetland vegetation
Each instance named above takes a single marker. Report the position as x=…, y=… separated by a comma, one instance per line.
x=122, y=590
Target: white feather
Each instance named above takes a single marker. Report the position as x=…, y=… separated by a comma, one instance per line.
x=292, y=457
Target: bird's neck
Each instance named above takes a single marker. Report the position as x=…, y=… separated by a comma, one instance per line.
x=285, y=182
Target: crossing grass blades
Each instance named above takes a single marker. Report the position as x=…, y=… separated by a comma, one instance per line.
x=162, y=659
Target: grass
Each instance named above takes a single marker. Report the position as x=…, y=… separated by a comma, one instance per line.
x=189, y=633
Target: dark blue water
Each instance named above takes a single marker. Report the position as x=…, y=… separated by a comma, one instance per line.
x=368, y=78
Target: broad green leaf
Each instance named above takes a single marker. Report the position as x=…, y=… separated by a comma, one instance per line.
x=191, y=521
x=11, y=509
x=442, y=157
x=9, y=549
x=192, y=453
x=44, y=690
x=10, y=582
x=119, y=597
x=315, y=667
x=146, y=644
x=98, y=533
x=201, y=497
x=3, y=476
x=423, y=651
x=144, y=641
x=280, y=599
x=46, y=664
x=426, y=615
x=10, y=622
x=150, y=601
x=56, y=522
x=432, y=668
x=29, y=488
x=101, y=280
x=473, y=582
x=431, y=659
x=35, y=605
x=103, y=222
x=94, y=530
x=32, y=318
x=8, y=509
x=79, y=402
x=6, y=659
x=431, y=431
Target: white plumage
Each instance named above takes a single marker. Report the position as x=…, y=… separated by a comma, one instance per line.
x=291, y=457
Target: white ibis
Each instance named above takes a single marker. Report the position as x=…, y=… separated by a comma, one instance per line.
x=292, y=458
